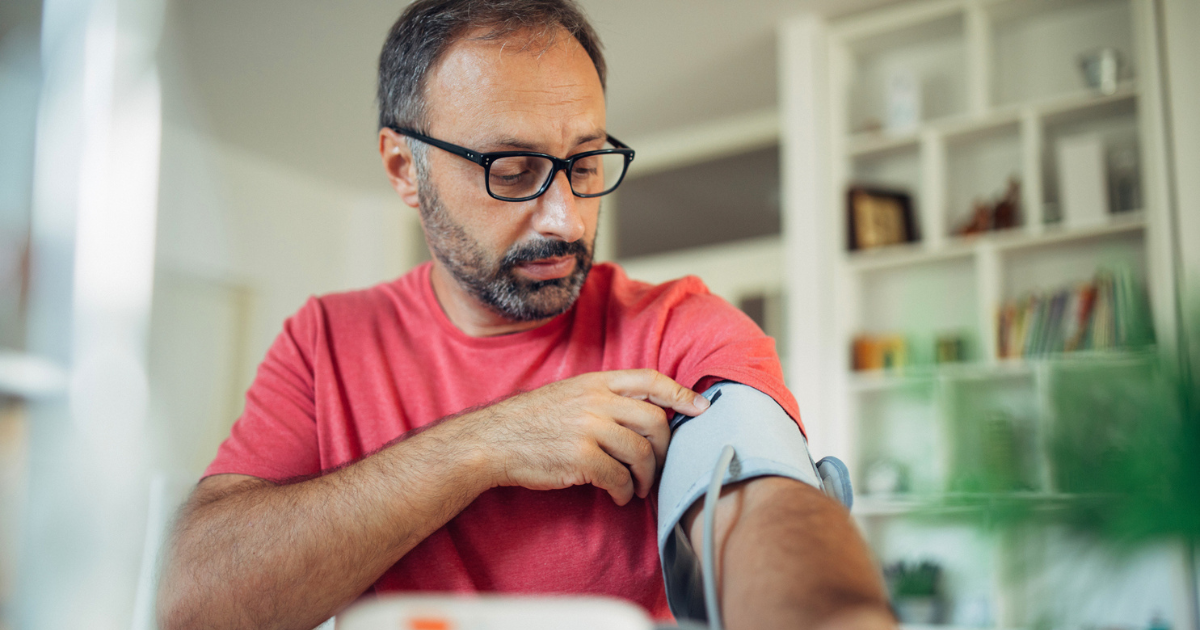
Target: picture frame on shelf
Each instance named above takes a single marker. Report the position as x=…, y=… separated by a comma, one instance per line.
x=878, y=217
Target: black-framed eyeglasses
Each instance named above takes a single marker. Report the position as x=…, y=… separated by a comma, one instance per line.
x=525, y=175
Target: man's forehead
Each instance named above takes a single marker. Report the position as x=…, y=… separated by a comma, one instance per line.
x=501, y=139
x=523, y=89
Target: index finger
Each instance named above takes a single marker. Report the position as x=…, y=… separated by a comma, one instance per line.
x=657, y=388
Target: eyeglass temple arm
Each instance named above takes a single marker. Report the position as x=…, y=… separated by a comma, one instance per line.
x=445, y=146
x=616, y=143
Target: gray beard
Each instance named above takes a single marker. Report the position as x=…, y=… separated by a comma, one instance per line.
x=496, y=285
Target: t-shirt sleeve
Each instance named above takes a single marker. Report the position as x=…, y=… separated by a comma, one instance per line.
x=276, y=436
x=706, y=340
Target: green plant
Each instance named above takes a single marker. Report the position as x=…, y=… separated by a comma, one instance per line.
x=1123, y=445
x=914, y=579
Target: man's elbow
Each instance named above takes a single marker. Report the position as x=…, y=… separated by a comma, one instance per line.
x=807, y=522
x=815, y=546
x=179, y=602
x=173, y=608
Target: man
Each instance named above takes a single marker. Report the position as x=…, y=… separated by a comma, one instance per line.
x=497, y=420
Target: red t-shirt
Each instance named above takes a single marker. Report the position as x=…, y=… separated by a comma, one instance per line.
x=353, y=371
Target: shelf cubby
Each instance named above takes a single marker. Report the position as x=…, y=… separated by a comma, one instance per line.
x=979, y=165
x=897, y=431
x=970, y=561
x=1036, y=44
x=992, y=431
x=923, y=301
x=1062, y=263
x=933, y=50
x=1114, y=120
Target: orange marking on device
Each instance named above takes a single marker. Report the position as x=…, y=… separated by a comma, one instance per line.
x=428, y=623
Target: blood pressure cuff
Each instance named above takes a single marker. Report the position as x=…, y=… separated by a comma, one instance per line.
x=766, y=442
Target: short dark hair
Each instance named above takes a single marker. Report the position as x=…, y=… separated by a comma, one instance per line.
x=428, y=27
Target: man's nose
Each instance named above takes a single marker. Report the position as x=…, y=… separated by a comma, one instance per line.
x=558, y=214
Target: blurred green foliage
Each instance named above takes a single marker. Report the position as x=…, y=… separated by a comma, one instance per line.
x=1129, y=439
x=913, y=579
x=1115, y=455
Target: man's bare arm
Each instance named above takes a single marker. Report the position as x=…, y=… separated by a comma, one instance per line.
x=252, y=554
x=248, y=553
x=790, y=557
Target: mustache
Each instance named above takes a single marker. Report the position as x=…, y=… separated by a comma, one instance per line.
x=542, y=249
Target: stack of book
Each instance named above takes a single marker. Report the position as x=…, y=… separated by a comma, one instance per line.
x=1107, y=312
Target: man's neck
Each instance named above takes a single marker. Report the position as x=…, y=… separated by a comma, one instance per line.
x=467, y=313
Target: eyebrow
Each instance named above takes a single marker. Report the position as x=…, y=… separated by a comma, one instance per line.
x=516, y=143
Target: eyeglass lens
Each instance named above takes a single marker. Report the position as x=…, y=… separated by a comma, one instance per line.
x=522, y=176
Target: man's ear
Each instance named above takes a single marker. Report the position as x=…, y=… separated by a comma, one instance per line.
x=399, y=165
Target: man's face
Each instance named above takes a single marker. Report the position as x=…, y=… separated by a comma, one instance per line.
x=524, y=260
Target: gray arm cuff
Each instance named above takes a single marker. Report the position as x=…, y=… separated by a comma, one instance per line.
x=767, y=442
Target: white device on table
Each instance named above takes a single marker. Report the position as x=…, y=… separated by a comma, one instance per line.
x=491, y=612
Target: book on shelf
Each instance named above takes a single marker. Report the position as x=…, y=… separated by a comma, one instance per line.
x=1108, y=311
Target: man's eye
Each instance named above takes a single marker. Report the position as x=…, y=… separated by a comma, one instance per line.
x=509, y=172
x=508, y=177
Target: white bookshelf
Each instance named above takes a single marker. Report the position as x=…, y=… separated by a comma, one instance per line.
x=1000, y=88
